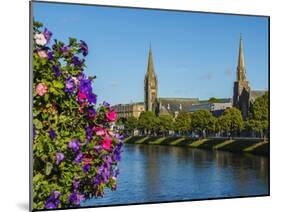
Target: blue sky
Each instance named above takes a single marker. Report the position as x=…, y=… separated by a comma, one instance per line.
x=195, y=54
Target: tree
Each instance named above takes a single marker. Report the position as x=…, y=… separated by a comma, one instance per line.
x=213, y=100
x=165, y=123
x=258, y=115
x=202, y=121
x=182, y=122
x=147, y=122
x=131, y=124
x=231, y=121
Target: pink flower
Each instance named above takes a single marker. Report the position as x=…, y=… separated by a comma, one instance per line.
x=106, y=143
x=41, y=89
x=42, y=53
x=81, y=95
x=99, y=131
x=111, y=116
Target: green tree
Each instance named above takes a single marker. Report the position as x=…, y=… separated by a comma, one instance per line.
x=147, y=122
x=258, y=116
x=231, y=121
x=213, y=100
x=182, y=122
x=165, y=123
x=131, y=124
x=202, y=122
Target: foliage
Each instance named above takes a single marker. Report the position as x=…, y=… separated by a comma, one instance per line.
x=148, y=121
x=202, y=121
x=214, y=100
x=231, y=120
x=130, y=124
x=165, y=123
x=75, y=149
x=182, y=122
x=258, y=116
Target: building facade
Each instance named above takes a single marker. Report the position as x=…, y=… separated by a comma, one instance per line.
x=129, y=110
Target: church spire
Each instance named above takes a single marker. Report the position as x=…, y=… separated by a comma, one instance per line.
x=150, y=66
x=241, y=69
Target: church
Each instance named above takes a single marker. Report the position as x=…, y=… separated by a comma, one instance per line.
x=243, y=96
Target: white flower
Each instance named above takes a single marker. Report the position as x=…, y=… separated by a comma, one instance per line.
x=75, y=80
x=40, y=39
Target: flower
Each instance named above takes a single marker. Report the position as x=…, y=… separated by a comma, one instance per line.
x=65, y=50
x=69, y=85
x=89, y=134
x=111, y=116
x=41, y=89
x=87, y=159
x=47, y=35
x=74, y=145
x=40, y=39
x=42, y=53
x=52, y=134
x=50, y=55
x=56, y=71
x=85, y=86
x=106, y=143
x=75, y=198
x=76, y=183
x=81, y=95
x=100, y=131
x=75, y=60
x=86, y=167
x=92, y=98
x=59, y=157
x=78, y=158
x=92, y=113
x=53, y=201
x=83, y=48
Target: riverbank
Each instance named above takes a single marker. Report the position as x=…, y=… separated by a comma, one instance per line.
x=250, y=145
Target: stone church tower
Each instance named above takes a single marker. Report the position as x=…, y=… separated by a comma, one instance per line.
x=242, y=90
x=150, y=86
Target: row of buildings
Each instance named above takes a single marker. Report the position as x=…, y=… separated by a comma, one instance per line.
x=243, y=96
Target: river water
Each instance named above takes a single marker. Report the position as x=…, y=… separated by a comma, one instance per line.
x=153, y=173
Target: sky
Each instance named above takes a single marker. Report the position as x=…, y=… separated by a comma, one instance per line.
x=195, y=54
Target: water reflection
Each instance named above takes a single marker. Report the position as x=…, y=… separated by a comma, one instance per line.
x=159, y=173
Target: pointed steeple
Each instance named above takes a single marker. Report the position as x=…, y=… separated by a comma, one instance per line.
x=150, y=65
x=241, y=69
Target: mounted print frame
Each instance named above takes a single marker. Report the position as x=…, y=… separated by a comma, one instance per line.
x=139, y=105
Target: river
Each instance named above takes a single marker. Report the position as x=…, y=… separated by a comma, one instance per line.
x=154, y=173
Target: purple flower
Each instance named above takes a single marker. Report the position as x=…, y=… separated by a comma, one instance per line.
x=97, y=180
x=50, y=55
x=75, y=60
x=65, y=50
x=92, y=98
x=78, y=158
x=56, y=71
x=85, y=86
x=75, y=198
x=69, y=85
x=53, y=201
x=83, y=48
x=86, y=167
x=47, y=34
x=59, y=157
x=74, y=145
x=115, y=171
x=89, y=133
x=92, y=112
x=76, y=183
x=106, y=104
x=52, y=134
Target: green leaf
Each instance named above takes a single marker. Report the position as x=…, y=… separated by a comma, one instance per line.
x=38, y=124
x=57, y=84
x=49, y=168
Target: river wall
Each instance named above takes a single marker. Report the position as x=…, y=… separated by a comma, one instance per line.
x=247, y=145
